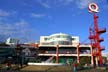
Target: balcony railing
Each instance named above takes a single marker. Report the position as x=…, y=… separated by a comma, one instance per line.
x=47, y=52
x=67, y=52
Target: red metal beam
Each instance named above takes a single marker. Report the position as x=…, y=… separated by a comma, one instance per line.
x=57, y=53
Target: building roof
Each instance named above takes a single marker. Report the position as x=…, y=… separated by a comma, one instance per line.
x=59, y=34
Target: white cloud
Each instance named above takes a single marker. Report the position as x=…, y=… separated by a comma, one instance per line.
x=6, y=29
x=69, y=1
x=65, y=2
x=37, y=15
x=4, y=13
x=83, y=3
x=18, y=29
x=21, y=23
x=45, y=3
x=79, y=3
x=15, y=28
x=54, y=3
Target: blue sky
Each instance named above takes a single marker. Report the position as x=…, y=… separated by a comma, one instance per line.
x=30, y=19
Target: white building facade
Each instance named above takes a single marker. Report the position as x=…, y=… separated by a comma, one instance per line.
x=59, y=38
x=12, y=41
x=63, y=48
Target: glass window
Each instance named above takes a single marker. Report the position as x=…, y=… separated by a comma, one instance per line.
x=58, y=36
x=45, y=38
x=73, y=38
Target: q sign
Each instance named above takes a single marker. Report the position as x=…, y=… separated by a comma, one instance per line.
x=93, y=8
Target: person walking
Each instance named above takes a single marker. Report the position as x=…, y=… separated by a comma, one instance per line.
x=74, y=67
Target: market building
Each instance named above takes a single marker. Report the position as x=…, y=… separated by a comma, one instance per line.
x=63, y=48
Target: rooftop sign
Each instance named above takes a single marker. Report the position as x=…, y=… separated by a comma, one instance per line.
x=93, y=8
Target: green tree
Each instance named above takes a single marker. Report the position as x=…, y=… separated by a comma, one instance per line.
x=85, y=60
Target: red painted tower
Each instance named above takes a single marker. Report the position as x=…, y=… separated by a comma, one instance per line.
x=95, y=33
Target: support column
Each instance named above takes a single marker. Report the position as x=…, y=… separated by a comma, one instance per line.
x=96, y=61
x=78, y=58
x=92, y=58
x=57, y=53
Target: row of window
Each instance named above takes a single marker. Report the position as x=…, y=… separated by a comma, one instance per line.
x=13, y=41
x=64, y=52
x=61, y=43
x=60, y=36
x=58, y=42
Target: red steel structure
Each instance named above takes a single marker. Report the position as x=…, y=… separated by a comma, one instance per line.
x=95, y=39
x=78, y=59
x=57, y=53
